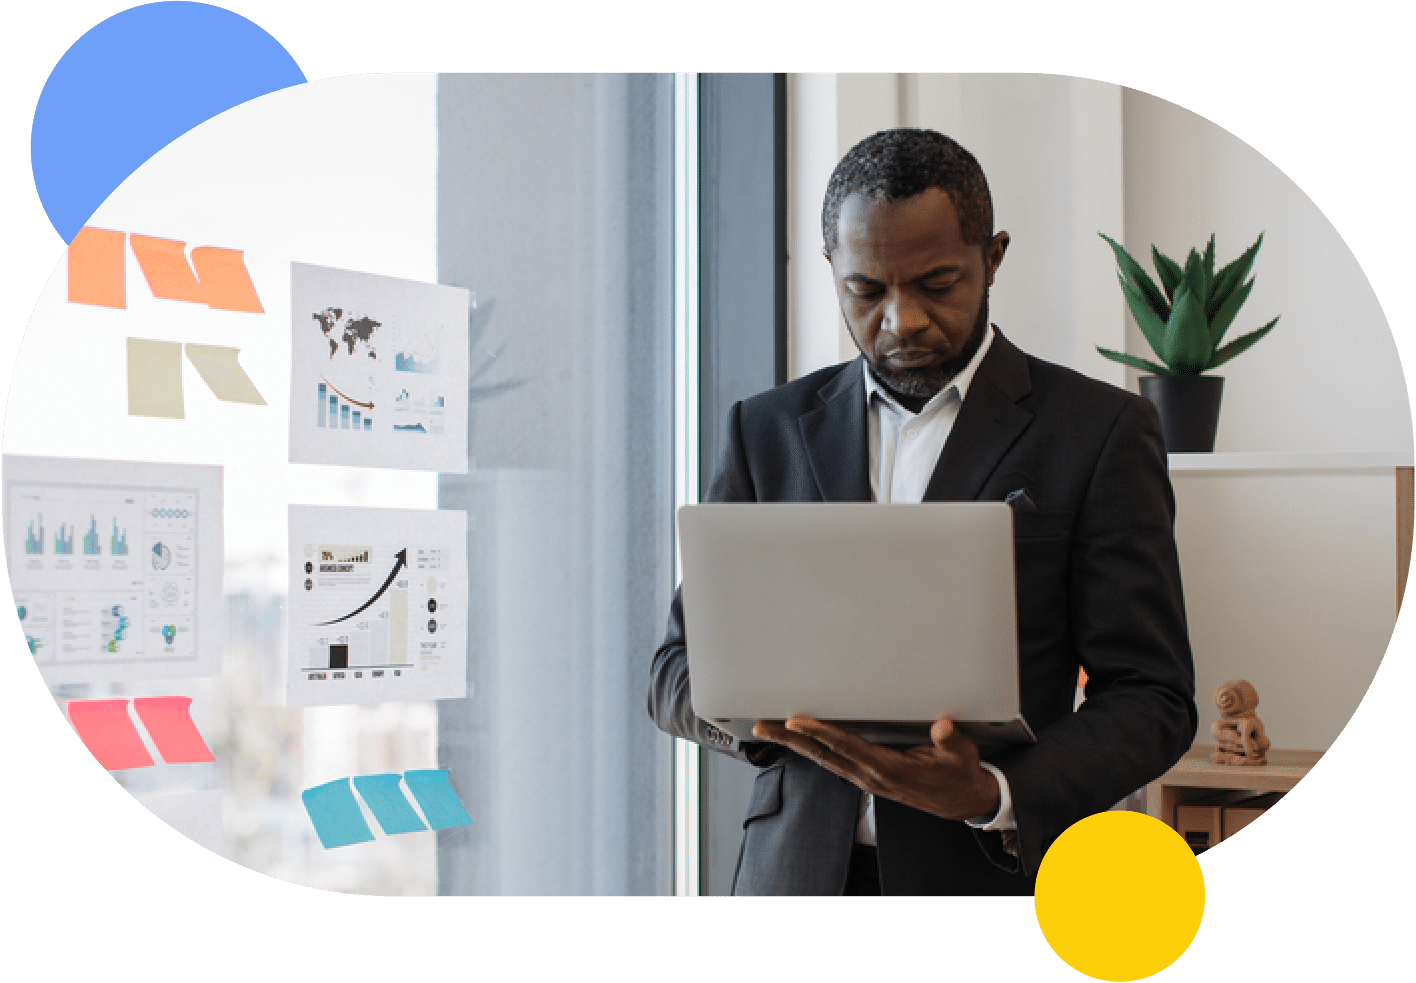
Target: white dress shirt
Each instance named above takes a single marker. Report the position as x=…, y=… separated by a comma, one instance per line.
x=904, y=448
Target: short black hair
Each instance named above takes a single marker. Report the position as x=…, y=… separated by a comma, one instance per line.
x=896, y=164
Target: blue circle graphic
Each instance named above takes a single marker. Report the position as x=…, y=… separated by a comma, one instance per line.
x=133, y=84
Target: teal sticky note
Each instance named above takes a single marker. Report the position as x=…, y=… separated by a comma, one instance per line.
x=436, y=797
x=336, y=814
x=384, y=797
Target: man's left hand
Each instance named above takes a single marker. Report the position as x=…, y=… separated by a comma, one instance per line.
x=942, y=778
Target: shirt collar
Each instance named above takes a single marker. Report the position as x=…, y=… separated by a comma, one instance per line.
x=959, y=384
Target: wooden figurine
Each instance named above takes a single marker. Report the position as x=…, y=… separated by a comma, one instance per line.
x=1239, y=733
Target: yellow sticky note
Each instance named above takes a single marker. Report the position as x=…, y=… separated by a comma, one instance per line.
x=155, y=378
x=223, y=373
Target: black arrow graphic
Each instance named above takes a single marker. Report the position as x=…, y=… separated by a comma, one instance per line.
x=402, y=562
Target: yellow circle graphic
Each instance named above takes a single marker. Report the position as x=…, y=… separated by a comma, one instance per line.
x=1119, y=896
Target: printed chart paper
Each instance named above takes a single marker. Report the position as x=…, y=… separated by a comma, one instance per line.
x=378, y=373
x=378, y=605
x=116, y=567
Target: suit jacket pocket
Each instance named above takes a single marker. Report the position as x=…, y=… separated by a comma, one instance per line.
x=766, y=794
x=1042, y=525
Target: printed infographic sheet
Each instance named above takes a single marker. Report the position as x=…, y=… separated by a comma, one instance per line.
x=378, y=605
x=115, y=567
x=378, y=374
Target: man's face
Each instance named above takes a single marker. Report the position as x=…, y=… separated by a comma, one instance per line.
x=914, y=294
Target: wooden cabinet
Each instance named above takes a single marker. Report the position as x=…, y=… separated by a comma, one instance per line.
x=1194, y=777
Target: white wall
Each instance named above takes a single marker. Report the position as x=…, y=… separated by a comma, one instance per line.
x=1302, y=609
x=815, y=333
x=1051, y=148
x=1068, y=157
x=1328, y=377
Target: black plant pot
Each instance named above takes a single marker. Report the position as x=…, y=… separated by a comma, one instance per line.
x=1189, y=408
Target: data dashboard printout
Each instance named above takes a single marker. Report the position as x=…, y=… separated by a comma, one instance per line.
x=378, y=374
x=378, y=605
x=116, y=567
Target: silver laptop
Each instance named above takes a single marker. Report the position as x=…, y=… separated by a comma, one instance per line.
x=878, y=618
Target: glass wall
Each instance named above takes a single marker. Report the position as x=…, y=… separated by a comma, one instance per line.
x=555, y=208
x=549, y=198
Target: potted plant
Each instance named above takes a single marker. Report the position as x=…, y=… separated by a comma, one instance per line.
x=1185, y=325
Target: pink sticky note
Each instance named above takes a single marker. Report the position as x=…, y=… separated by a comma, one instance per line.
x=106, y=730
x=169, y=724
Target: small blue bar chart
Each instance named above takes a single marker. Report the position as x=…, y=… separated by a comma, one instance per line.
x=409, y=362
x=34, y=537
x=91, y=547
x=118, y=542
x=92, y=541
x=335, y=413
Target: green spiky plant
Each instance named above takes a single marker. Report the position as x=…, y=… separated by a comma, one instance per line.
x=1186, y=323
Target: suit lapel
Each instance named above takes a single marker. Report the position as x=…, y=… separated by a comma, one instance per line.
x=834, y=434
x=989, y=422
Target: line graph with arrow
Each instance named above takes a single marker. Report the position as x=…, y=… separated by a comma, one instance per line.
x=402, y=557
x=377, y=605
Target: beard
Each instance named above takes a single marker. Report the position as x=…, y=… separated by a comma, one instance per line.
x=926, y=382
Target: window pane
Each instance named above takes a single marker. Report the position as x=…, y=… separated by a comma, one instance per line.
x=555, y=209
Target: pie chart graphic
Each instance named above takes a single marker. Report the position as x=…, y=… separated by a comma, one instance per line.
x=161, y=556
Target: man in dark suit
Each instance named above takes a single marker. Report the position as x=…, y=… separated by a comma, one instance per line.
x=941, y=406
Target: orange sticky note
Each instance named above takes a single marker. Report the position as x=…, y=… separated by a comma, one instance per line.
x=224, y=277
x=169, y=723
x=164, y=263
x=97, y=270
x=108, y=732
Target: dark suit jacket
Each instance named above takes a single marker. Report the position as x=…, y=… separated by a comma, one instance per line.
x=1098, y=587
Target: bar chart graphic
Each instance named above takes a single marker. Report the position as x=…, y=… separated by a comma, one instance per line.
x=409, y=362
x=359, y=605
x=34, y=537
x=91, y=547
x=416, y=346
x=381, y=356
x=104, y=543
x=338, y=412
